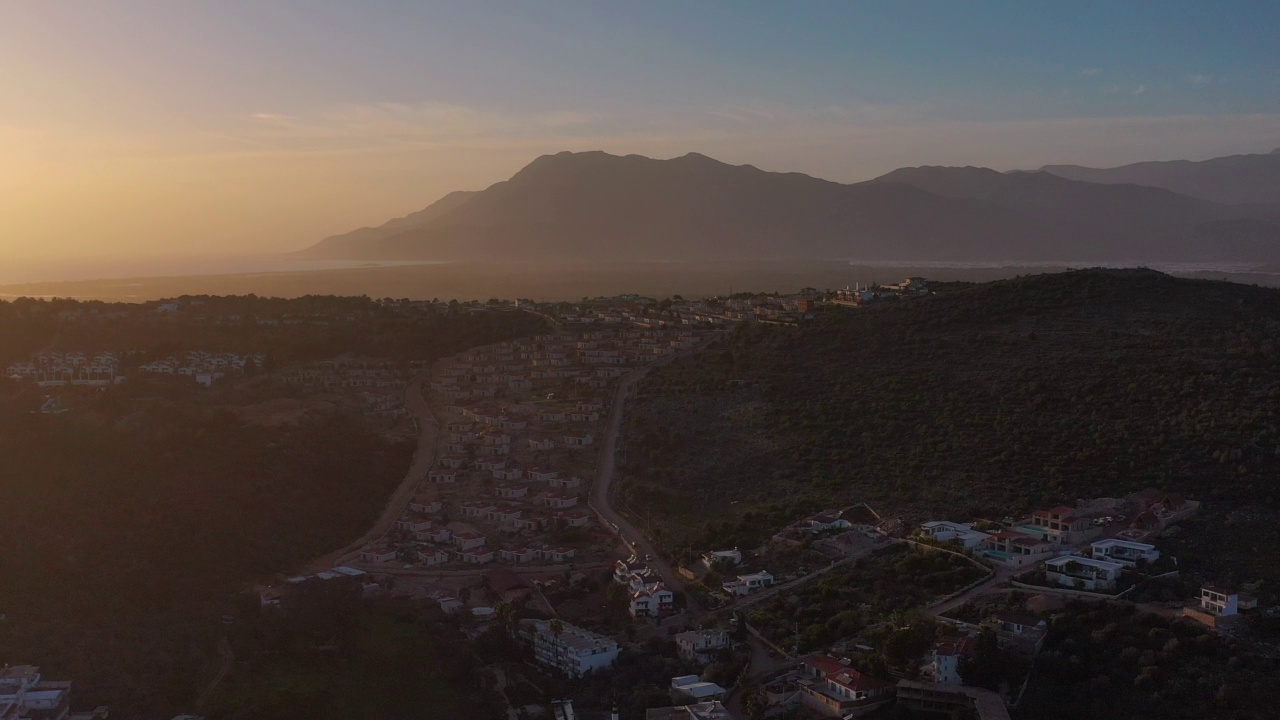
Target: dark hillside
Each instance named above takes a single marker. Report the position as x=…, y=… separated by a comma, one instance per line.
x=977, y=401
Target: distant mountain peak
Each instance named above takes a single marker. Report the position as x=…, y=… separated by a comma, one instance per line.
x=596, y=205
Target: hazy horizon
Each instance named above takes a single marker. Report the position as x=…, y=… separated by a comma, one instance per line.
x=141, y=129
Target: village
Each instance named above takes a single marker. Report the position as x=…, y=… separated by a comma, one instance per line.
x=503, y=529
x=504, y=524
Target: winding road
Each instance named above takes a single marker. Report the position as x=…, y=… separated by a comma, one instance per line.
x=423, y=457
x=598, y=498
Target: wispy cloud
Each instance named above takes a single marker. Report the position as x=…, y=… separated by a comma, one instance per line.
x=1199, y=79
x=400, y=124
x=1091, y=72
x=1140, y=90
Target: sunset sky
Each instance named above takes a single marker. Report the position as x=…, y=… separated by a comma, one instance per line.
x=141, y=127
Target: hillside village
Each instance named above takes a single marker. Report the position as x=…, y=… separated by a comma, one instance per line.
x=508, y=492
x=500, y=526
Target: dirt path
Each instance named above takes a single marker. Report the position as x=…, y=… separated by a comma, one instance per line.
x=228, y=661
x=423, y=457
x=599, y=499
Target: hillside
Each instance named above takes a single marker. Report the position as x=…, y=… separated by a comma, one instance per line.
x=978, y=401
x=129, y=520
x=1236, y=179
x=596, y=206
x=351, y=242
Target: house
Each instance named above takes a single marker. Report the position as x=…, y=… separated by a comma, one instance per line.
x=558, y=554
x=490, y=464
x=1012, y=548
x=377, y=554
x=624, y=569
x=1064, y=525
x=860, y=517
x=713, y=710
x=574, y=518
x=730, y=557
x=945, y=657
x=691, y=687
x=568, y=648
x=701, y=645
x=511, y=492
x=747, y=584
x=1155, y=509
x=542, y=444
x=1019, y=633
x=452, y=462
x=476, y=556
x=468, y=540
x=508, y=473
x=829, y=686
x=425, y=505
x=578, y=441
x=825, y=520
x=507, y=585
x=960, y=534
x=443, y=476
x=564, y=483
x=560, y=501
x=1124, y=552
x=449, y=604
x=477, y=509
x=433, y=556
x=543, y=475
x=651, y=601
x=1219, y=601
x=553, y=416
x=440, y=535
x=413, y=524
x=1082, y=573
x=951, y=700
x=518, y=556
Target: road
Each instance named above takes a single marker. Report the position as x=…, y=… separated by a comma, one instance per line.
x=227, y=661
x=423, y=457
x=598, y=498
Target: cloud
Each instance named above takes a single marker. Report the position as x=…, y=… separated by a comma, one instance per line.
x=356, y=127
x=1091, y=72
x=1199, y=79
x=1140, y=90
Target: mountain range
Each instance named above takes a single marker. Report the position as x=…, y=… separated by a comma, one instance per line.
x=597, y=206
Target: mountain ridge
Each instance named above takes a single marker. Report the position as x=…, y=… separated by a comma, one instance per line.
x=598, y=206
x=1232, y=179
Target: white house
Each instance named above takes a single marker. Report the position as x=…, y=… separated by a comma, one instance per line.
x=468, y=541
x=1123, y=551
x=693, y=688
x=378, y=554
x=561, y=501
x=731, y=556
x=961, y=534
x=945, y=657
x=701, y=645
x=651, y=601
x=1083, y=573
x=443, y=476
x=425, y=505
x=568, y=648
x=747, y=584
x=1219, y=601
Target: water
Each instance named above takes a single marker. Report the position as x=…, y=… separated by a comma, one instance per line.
x=13, y=271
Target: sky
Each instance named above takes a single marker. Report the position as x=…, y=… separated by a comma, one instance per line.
x=247, y=126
